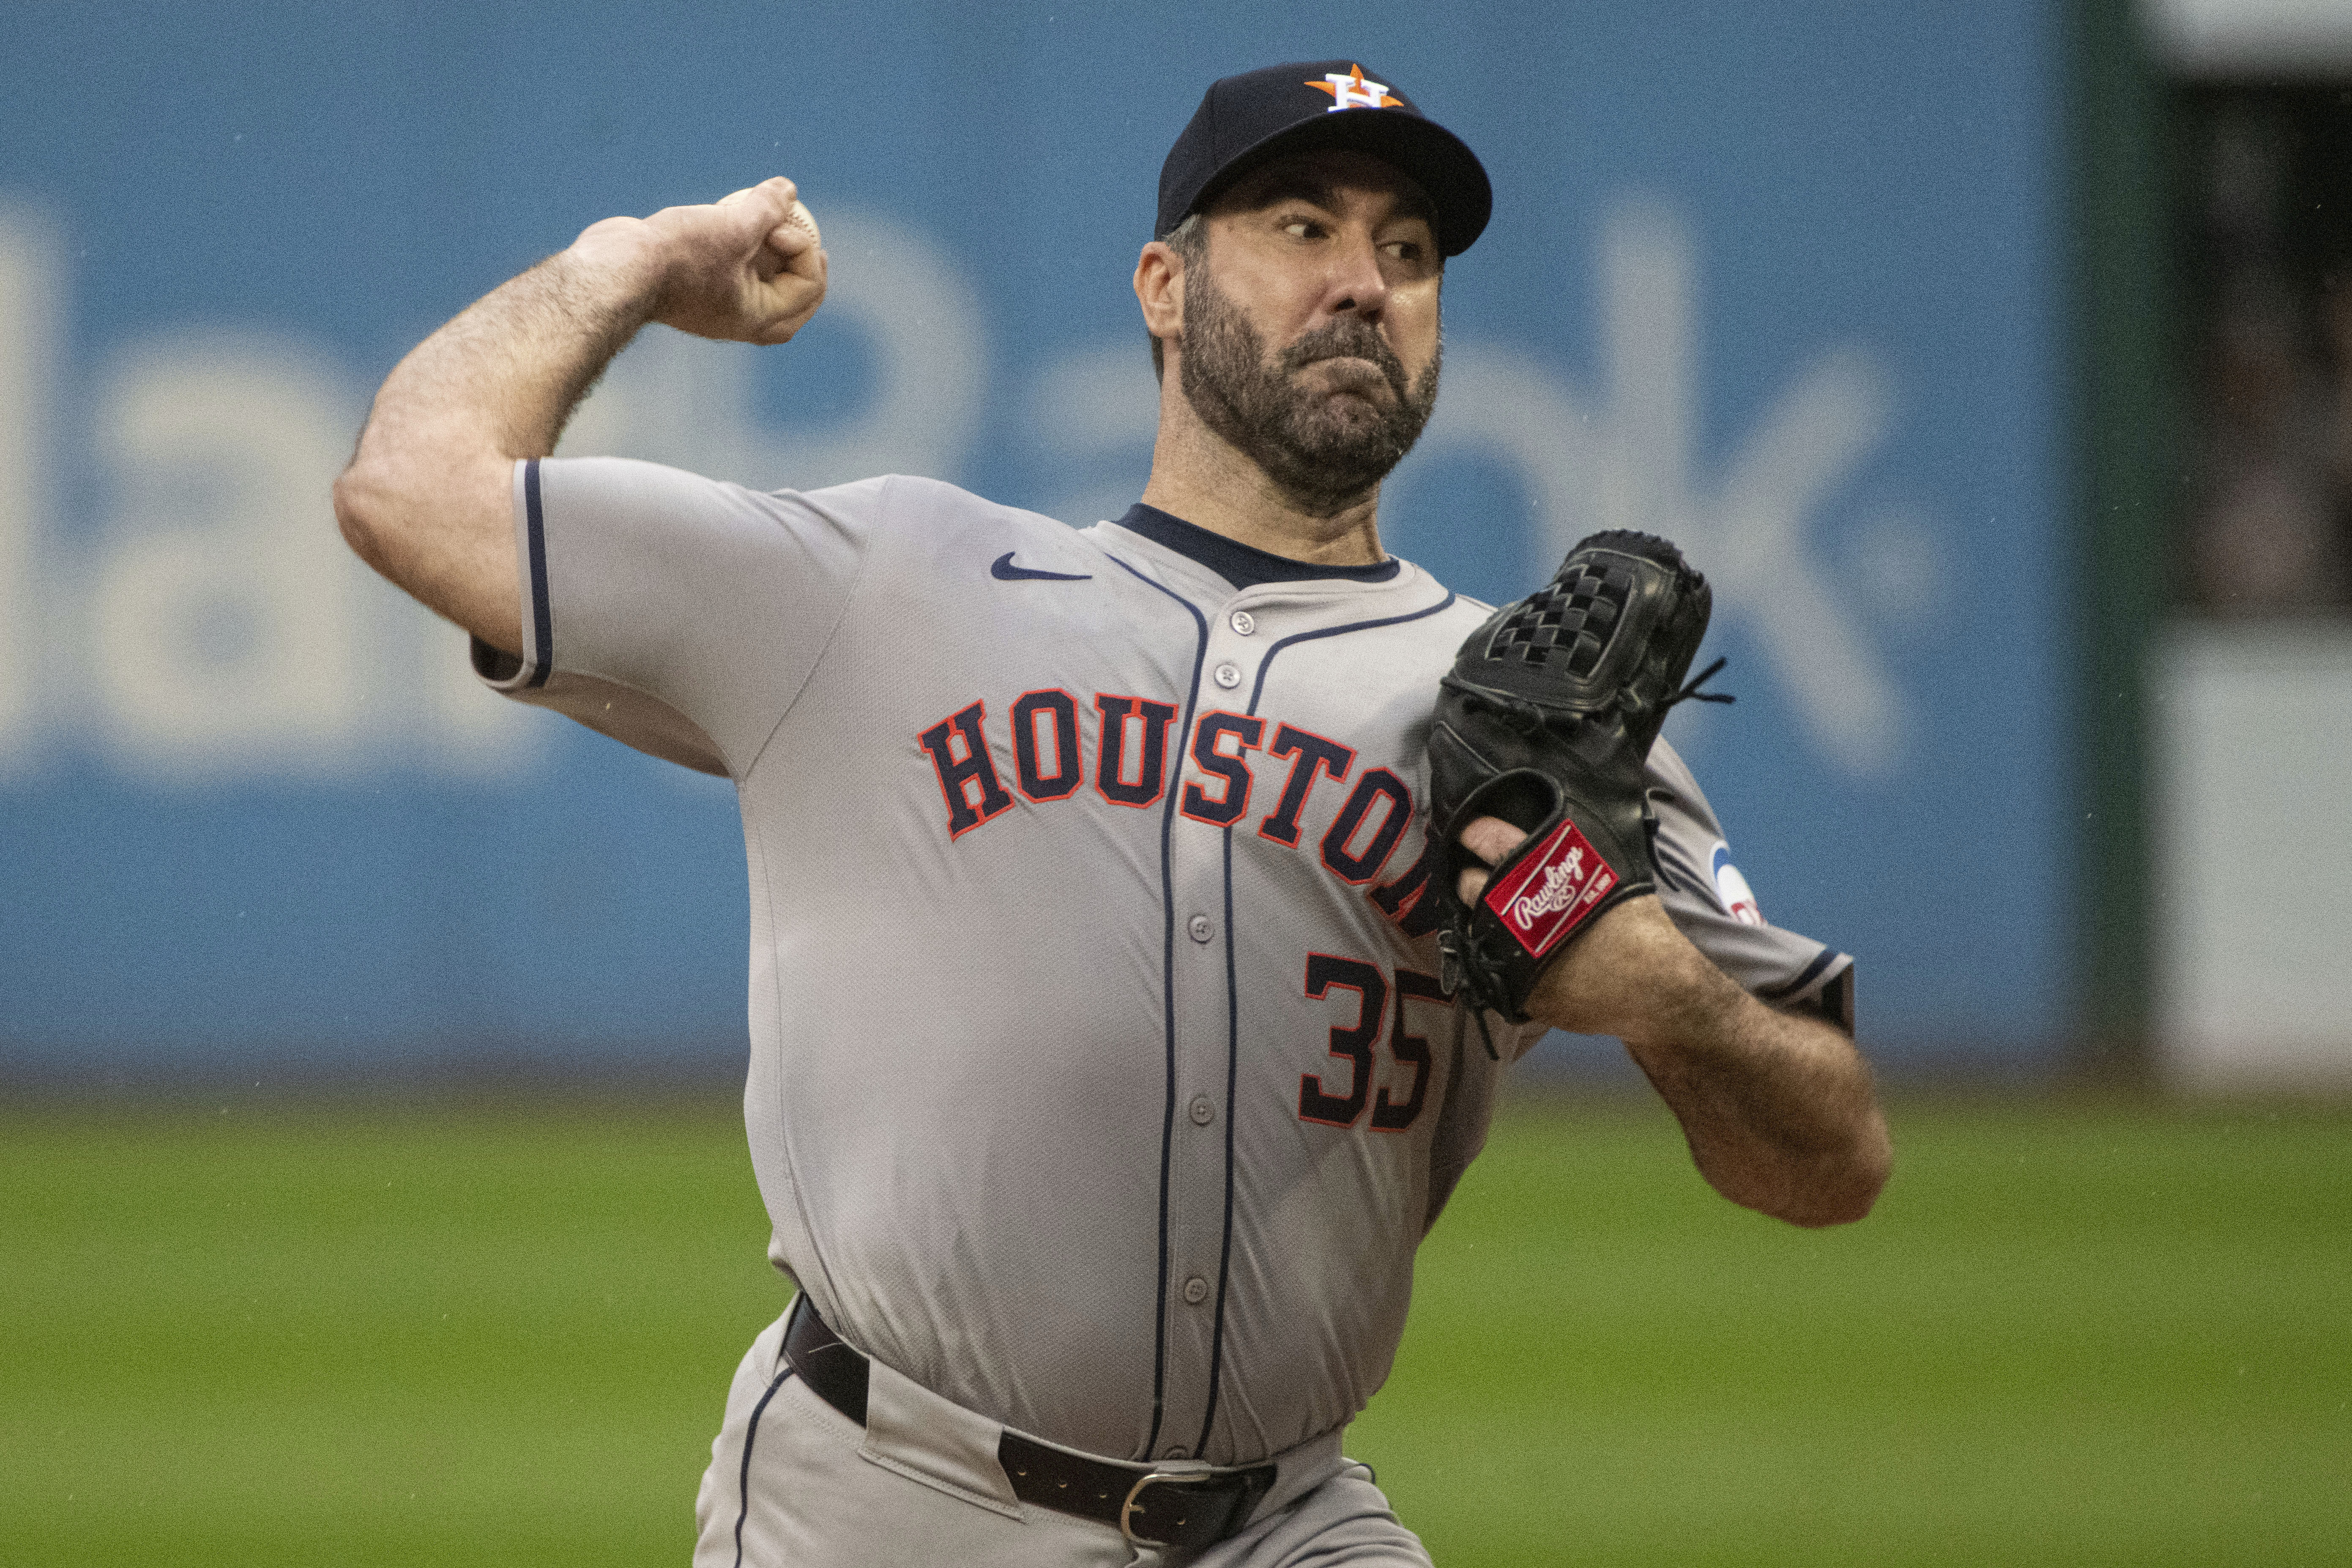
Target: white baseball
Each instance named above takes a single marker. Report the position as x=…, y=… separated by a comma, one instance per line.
x=806, y=219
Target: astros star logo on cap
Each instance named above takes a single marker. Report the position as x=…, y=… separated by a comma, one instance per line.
x=1305, y=105
x=1352, y=91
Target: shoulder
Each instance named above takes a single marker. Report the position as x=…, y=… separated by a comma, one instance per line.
x=1688, y=826
x=913, y=496
x=1462, y=614
x=1439, y=618
x=1456, y=614
x=932, y=515
x=1670, y=778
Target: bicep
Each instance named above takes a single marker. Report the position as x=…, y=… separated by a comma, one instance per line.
x=443, y=531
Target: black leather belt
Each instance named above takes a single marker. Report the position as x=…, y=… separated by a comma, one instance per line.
x=1150, y=1506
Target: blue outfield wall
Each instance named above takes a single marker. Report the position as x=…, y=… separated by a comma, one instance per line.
x=1777, y=281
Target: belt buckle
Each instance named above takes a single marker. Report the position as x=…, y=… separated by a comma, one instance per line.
x=1187, y=1477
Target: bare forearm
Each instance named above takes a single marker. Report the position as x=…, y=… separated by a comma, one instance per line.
x=505, y=376
x=1777, y=1108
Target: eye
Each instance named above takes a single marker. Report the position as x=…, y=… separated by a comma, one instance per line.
x=1403, y=249
x=1302, y=229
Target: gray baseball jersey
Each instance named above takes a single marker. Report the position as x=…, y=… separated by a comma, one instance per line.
x=1100, y=1079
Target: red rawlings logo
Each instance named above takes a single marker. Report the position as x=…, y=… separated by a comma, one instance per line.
x=1549, y=894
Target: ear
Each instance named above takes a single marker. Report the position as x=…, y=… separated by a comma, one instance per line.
x=1159, y=289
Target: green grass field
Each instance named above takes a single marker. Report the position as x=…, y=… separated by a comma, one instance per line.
x=2071, y=1334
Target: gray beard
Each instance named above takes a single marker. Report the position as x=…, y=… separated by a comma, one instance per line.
x=1325, y=455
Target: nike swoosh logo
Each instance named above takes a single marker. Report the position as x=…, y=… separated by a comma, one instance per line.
x=1004, y=571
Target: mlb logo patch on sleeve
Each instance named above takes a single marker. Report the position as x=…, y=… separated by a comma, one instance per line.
x=1732, y=888
x=1548, y=895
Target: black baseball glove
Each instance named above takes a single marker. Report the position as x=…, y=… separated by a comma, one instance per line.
x=1545, y=721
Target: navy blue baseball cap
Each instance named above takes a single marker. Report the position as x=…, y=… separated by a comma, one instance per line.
x=1245, y=120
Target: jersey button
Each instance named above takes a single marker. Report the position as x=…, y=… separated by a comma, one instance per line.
x=1201, y=927
x=1244, y=622
x=1229, y=676
x=1204, y=1110
x=1196, y=1290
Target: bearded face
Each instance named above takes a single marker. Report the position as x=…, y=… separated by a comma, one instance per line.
x=1326, y=450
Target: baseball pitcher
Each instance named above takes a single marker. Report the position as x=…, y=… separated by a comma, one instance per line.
x=1142, y=915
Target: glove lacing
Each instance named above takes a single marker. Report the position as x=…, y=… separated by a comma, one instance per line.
x=1691, y=687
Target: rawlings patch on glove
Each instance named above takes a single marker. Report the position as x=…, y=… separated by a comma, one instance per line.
x=1545, y=721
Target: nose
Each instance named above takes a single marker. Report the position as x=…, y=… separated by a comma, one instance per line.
x=1356, y=286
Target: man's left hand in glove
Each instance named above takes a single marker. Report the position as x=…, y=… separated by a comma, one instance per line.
x=1777, y=1108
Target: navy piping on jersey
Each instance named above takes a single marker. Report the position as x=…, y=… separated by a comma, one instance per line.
x=542, y=613
x=1232, y=1070
x=1167, y=990
x=743, y=1480
x=1225, y=557
x=1811, y=973
x=1233, y=1020
x=1267, y=663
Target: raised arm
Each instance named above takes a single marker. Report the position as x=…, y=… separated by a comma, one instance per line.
x=1777, y=1107
x=428, y=497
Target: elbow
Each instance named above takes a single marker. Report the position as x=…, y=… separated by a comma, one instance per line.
x=1822, y=1209
x=1814, y=1188
x=1844, y=1189
x=355, y=511
x=363, y=505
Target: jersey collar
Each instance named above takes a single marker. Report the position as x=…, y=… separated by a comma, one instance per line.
x=1242, y=565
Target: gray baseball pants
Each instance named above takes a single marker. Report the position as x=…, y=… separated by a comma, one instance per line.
x=793, y=1483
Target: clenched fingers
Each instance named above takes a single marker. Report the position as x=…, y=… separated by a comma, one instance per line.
x=739, y=267
x=776, y=192
x=785, y=240
x=1489, y=839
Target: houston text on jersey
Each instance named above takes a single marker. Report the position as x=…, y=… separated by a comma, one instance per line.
x=1131, y=767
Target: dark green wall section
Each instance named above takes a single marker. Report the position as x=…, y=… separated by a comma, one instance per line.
x=2130, y=461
